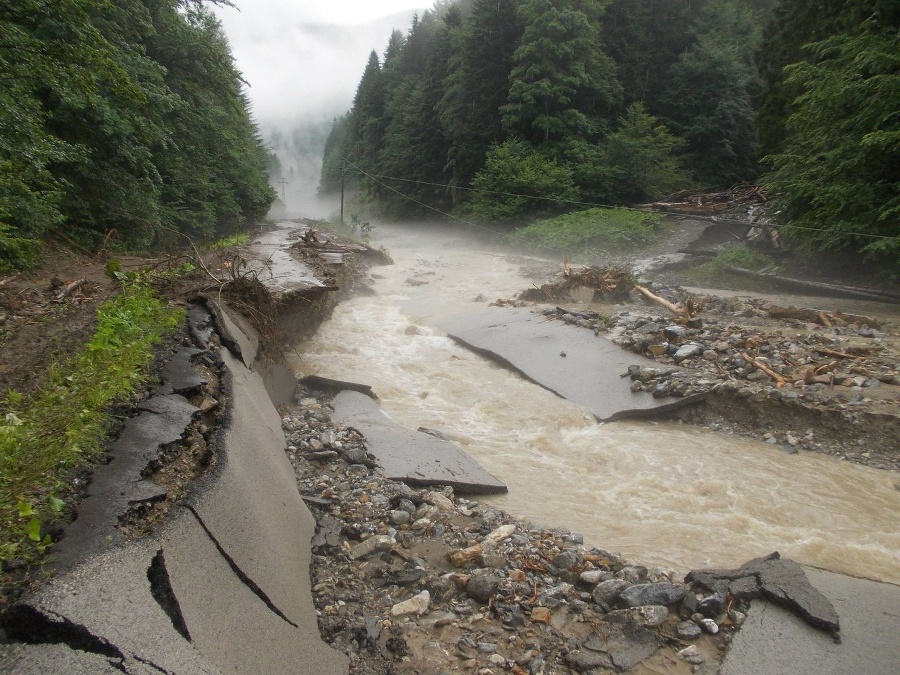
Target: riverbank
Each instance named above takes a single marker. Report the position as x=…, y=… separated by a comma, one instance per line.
x=525, y=598
x=803, y=378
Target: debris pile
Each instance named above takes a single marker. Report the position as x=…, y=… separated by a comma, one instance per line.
x=422, y=581
x=606, y=283
x=832, y=361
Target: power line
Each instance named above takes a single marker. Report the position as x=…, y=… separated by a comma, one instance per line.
x=713, y=219
x=416, y=201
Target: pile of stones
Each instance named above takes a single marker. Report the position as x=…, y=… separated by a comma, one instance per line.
x=420, y=580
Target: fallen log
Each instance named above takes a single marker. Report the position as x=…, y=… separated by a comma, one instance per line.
x=675, y=309
x=69, y=288
x=780, y=380
x=819, y=316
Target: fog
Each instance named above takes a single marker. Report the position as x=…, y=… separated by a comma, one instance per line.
x=302, y=61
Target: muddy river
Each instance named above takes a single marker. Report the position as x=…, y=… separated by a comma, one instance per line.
x=659, y=493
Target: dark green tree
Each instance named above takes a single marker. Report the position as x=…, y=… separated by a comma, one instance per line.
x=415, y=146
x=476, y=85
x=839, y=168
x=709, y=98
x=562, y=83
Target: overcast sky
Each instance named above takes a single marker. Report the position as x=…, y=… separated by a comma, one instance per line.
x=304, y=58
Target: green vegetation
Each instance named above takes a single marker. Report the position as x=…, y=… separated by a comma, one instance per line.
x=517, y=179
x=840, y=157
x=588, y=232
x=620, y=102
x=61, y=429
x=734, y=256
x=240, y=239
x=122, y=121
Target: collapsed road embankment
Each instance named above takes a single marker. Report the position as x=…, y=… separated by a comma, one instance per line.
x=223, y=584
x=190, y=552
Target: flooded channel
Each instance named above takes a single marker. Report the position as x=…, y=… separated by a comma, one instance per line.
x=659, y=493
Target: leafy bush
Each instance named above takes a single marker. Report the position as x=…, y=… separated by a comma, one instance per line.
x=517, y=179
x=589, y=231
x=63, y=427
x=239, y=239
x=16, y=253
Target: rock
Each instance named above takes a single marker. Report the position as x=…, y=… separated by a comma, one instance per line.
x=709, y=626
x=482, y=587
x=440, y=501
x=540, y=615
x=582, y=662
x=688, y=630
x=377, y=544
x=687, y=351
x=633, y=574
x=399, y=517
x=676, y=332
x=607, y=591
x=516, y=575
x=691, y=655
x=651, y=594
x=566, y=560
x=711, y=606
x=593, y=577
x=646, y=615
x=417, y=604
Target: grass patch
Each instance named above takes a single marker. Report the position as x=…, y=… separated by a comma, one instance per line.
x=589, y=232
x=734, y=256
x=239, y=239
x=63, y=426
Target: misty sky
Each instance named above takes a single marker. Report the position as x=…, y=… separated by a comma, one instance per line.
x=304, y=58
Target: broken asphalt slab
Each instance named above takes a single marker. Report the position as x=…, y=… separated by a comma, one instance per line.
x=414, y=457
x=222, y=586
x=773, y=640
x=776, y=579
x=571, y=362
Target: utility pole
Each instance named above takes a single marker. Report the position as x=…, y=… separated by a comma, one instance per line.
x=283, y=182
x=343, y=174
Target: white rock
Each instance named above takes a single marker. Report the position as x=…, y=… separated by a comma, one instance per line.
x=500, y=533
x=691, y=655
x=443, y=503
x=709, y=626
x=592, y=576
x=375, y=544
x=417, y=604
x=497, y=660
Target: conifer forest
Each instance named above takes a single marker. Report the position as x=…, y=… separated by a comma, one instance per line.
x=506, y=110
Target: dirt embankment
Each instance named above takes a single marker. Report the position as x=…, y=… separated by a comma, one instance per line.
x=803, y=377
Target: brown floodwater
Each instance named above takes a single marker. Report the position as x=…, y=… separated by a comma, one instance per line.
x=659, y=493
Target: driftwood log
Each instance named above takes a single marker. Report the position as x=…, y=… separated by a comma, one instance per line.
x=68, y=289
x=819, y=316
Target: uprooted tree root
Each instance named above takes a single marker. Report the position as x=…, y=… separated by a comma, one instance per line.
x=607, y=283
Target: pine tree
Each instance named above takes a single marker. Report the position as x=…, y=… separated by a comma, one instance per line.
x=561, y=82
